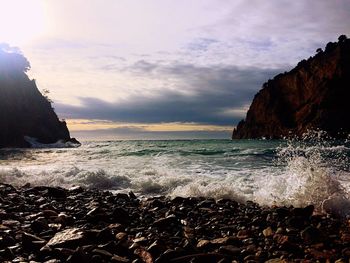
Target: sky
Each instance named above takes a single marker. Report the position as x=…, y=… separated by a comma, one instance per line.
x=163, y=69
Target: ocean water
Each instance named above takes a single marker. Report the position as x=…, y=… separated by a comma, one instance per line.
x=265, y=171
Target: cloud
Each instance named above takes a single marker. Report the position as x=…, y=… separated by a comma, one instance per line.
x=187, y=93
x=133, y=63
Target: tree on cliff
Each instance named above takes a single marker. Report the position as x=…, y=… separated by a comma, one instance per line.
x=342, y=38
x=12, y=60
x=24, y=111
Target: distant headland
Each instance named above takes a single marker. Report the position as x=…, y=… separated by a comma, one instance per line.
x=313, y=95
x=24, y=111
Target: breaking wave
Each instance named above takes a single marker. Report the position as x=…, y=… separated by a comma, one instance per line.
x=59, y=144
x=298, y=173
x=313, y=171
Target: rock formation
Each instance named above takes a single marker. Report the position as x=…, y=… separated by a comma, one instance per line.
x=313, y=95
x=24, y=111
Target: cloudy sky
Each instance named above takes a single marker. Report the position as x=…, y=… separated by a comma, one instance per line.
x=164, y=68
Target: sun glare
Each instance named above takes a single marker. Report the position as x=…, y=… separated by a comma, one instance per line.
x=21, y=21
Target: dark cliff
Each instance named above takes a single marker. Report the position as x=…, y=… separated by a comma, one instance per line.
x=24, y=111
x=313, y=95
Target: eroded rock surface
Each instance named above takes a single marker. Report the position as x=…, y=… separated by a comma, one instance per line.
x=24, y=111
x=313, y=95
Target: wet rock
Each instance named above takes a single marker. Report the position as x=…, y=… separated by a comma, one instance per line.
x=6, y=254
x=132, y=195
x=56, y=192
x=118, y=259
x=121, y=236
x=121, y=215
x=122, y=196
x=49, y=213
x=165, y=222
x=91, y=226
x=296, y=222
x=223, y=240
x=156, y=248
x=268, y=232
x=311, y=235
x=144, y=255
x=103, y=253
x=346, y=252
x=39, y=225
x=276, y=260
x=71, y=237
x=231, y=250
x=202, y=244
x=75, y=189
x=32, y=242
x=11, y=223
x=104, y=235
x=243, y=234
x=78, y=256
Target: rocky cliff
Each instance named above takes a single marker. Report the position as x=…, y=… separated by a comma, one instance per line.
x=24, y=111
x=313, y=95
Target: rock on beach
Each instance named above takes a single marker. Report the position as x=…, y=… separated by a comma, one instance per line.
x=39, y=224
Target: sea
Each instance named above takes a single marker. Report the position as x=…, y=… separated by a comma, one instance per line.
x=269, y=172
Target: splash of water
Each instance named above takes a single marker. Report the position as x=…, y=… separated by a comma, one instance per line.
x=311, y=172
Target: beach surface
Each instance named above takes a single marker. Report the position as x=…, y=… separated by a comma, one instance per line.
x=53, y=224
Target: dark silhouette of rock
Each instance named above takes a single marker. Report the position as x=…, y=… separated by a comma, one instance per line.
x=312, y=96
x=24, y=111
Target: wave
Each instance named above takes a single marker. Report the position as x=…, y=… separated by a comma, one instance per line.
x=288, y=173
x=311, y=173
x=59, y=144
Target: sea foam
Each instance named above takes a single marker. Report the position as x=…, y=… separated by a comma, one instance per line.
x=298, y=173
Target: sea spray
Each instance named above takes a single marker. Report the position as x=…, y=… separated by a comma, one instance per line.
x=311, y=172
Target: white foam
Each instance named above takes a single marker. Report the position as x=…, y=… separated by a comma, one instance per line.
x=59, y=144
x=302, y=174
x=308, y=176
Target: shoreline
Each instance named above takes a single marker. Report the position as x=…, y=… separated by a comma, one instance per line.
x=53, y=224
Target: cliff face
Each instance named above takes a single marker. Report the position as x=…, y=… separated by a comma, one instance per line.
x=24, y=111
x=313, y=95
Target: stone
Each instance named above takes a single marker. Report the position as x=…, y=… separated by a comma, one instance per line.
x=276, y=260
x=118, y=259
x=121, y=215
x=121, y=236
x=102, y=252
x=165, y=222
x=10, y=223
x=40, y=224
x=243, y=234
x=221, y=240
x=144, y=255
x=69, y=238
x=78, y=256
x=268, y=232
x=231, y=250
x=311, y=235
x=49, y=213
x=156, y=248
x=132, y=195
x=202, y=244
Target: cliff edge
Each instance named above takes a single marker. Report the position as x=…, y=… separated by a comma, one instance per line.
x=313, y=95
x=24, y=111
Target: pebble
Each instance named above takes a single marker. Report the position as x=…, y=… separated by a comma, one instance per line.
x=52, y=224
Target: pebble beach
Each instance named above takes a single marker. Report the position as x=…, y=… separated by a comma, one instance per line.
x=53, y=224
